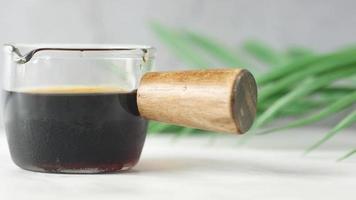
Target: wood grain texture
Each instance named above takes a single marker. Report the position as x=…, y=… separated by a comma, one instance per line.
x=222, y=100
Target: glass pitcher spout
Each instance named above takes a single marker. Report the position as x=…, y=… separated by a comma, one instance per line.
x=19, y=58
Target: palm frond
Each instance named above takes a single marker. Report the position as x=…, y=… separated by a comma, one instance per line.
x=337, y=106
x=179, y=46
x=264, y=53
x=344, y=123
x=347, y=155
x=300, y=83
x=215, y=49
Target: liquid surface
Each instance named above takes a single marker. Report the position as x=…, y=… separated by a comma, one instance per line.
x=74, y=129
x=74, y=90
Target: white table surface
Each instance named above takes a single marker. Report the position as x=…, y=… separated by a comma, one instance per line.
x=268, y=167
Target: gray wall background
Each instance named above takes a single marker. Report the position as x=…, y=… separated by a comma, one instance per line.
x=320, y=24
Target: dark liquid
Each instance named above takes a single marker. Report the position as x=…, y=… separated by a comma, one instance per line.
x=75, y=130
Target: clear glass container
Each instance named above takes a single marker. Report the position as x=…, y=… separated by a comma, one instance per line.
x=72, y=108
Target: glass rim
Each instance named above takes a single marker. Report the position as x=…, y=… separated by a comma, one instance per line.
x=26, y=51
x=74, y=46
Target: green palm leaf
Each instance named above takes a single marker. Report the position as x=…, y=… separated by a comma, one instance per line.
x=318, y=68
x=302, y=90
x=352, y=152
x=179, y=46
x=336, y=59
x=264, y=53
x=338, y=105
x=346, y=122
x=216, y=49
x=301, y=81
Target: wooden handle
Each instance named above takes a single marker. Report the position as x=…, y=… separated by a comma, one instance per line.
x=222, y=100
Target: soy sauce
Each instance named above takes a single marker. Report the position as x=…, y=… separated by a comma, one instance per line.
x=74, y=130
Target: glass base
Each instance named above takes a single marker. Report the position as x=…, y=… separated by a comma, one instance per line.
x=80, y=169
